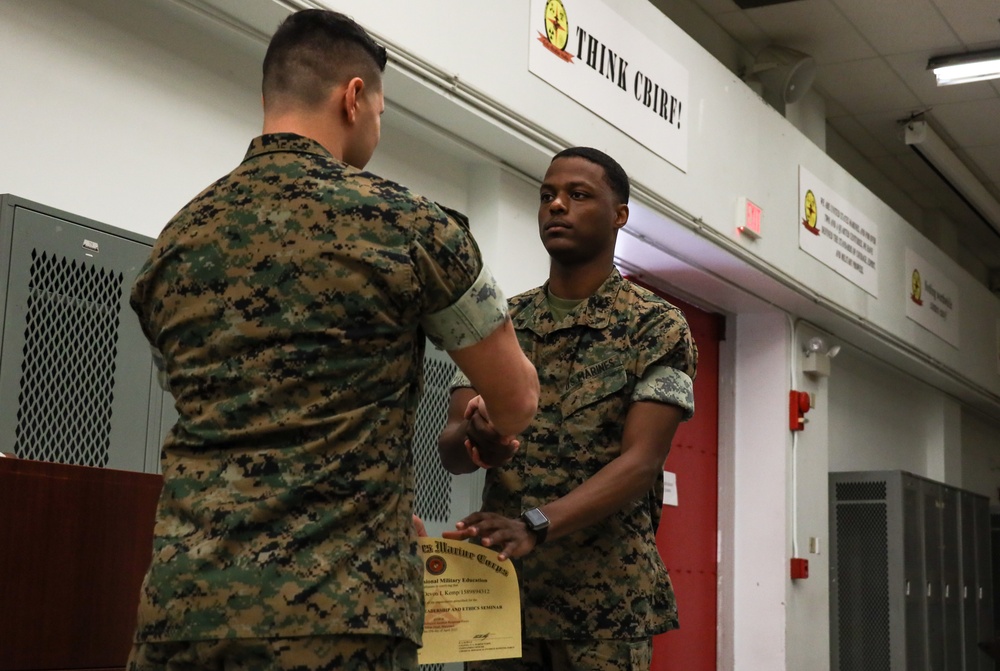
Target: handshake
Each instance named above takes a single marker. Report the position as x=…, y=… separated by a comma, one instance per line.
x=486, y=447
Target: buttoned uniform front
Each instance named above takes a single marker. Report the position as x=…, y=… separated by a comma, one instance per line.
x=288, y=305
x=621, y=345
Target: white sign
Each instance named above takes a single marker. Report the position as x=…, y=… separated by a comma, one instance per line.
x=598, y=59
x=931, y=298
x=836, y=233
x=669, y=488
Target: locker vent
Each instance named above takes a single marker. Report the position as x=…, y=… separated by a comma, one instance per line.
x=863, y=585
x=861, y=491
x=67, y=374
x=433, y=483
x=432, y=667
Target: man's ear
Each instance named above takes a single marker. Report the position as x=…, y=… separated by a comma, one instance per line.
x=352, y=93
x=621, y=215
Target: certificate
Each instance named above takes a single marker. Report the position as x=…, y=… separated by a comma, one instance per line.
x=471, y=601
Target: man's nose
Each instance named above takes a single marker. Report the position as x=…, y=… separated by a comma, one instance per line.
x=557, y=204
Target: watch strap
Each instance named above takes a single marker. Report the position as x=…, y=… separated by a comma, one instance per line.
x=540, y=530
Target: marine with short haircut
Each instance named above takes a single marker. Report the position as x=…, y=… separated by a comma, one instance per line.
x=287, y=306
x=576, y=499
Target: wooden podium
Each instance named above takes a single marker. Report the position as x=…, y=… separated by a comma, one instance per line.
x=75, y=543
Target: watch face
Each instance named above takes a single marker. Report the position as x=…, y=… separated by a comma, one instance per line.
x=536, y=519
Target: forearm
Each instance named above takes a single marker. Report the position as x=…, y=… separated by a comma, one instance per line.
x=512, y=401
x=611, y=489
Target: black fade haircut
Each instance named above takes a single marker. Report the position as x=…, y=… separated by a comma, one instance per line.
x=314, y=50
x=613, y=172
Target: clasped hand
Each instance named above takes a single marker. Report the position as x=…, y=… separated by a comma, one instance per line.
x=485, y=446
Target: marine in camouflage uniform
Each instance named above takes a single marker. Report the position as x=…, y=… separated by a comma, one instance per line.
x=289, y=303
x=287, y=306
x=602, y=587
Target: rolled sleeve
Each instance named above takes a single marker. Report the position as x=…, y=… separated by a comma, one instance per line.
x=476, y=314
x=664, y=384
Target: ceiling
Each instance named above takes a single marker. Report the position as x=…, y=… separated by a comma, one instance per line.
x=871, y=58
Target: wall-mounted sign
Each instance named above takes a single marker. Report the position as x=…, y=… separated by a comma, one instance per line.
x=748, y=216
x=670, y=489
x=931, y=298
x=837, y=233
x=594, y=56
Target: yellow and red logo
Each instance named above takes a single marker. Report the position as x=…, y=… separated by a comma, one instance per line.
x=916, y=288
x=436, y=565
x=809, y=207
x=556, y=33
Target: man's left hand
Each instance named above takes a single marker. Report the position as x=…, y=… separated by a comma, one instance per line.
x=509, y=537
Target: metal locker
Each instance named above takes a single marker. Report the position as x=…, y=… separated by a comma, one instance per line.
x=933, y=576
x=860, y=576
x=75, y=369
x=976, y=583
x=951, y=573
x=985, y=615
x=935, y=555
x=970, y=580
x=915, y=650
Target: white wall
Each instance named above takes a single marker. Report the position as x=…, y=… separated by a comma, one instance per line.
x=877, y=416
x=108, y=125
x=760, y=493
x=981, y=456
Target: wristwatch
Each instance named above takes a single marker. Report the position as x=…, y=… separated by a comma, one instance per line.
x=537, y=523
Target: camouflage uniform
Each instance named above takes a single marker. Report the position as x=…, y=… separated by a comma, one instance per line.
x=621, y=345
x=288, y=304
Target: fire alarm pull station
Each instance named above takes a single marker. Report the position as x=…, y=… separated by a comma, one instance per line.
x=798, y=406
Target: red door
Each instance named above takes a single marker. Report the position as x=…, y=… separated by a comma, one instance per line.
x=688, y=532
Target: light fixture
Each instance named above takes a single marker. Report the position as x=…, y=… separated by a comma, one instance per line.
x=975, y=66
x=817, y=345
x=817, y=355
x=922, y=138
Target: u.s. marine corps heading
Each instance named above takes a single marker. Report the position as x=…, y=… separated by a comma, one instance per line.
x=288, y=304
x=578, y=503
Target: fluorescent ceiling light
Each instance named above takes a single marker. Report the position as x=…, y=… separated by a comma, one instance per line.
x=929, y=144
x=975, y=66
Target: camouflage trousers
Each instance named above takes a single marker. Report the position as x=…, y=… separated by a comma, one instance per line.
x=318, y=653
x=587, y=655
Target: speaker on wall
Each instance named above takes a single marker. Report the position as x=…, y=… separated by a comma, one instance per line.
x=781, y=75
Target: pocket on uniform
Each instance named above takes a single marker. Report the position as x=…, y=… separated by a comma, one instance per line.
x=598, y=382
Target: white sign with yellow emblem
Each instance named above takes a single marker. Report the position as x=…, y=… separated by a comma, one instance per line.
x=932, y=298
x=837, y=233
x=594, y=56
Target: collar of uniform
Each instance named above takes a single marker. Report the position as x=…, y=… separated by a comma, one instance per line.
x=272, y=142
x=595, y=313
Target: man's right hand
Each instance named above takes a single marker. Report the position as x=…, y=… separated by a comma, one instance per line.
x=486, y=447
